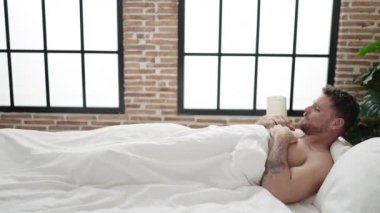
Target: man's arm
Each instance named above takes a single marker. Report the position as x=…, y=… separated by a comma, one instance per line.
x=289, y=184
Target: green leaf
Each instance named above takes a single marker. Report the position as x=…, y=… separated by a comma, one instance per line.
x=371, y=47
x=368, y=78
x=370, y=105
x=368, y=124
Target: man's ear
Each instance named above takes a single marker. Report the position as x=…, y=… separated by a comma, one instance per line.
x=338, y=123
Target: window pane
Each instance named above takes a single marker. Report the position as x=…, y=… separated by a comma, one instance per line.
x=241, y=37
x=202, y=25
x=277, y=26
x=3, y=39
x=65, y=80
x=62, y=24
x=28, y=73
x=4, y=81
x=200, y=86
x=102, y=85
x=25, y=24
x=237, y=81
x=100, y=24
x=310, y=73
x=314, y=26
x=274, y=78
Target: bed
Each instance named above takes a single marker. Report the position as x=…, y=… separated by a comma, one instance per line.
x=162, y=167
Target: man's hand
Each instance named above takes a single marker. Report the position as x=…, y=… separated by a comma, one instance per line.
x=282, y=134
x=269, y=121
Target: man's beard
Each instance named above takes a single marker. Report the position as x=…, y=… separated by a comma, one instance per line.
x=308, y=128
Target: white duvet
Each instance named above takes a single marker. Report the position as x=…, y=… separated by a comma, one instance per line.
x=136, y=168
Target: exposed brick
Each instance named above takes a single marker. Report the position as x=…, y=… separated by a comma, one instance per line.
x=140, y=112
x=113, y=117
x=360, y=30
x=141, y=71
x=16, y=116
x=49, y=116
x=39, y=122
x=356, y=36
x=353, y=63
x=357, y=24
x=161, y=77
x=197, y=126
x=365, y=17
x=347, y=76
x=133, y=77
x=141, y=83
x=212, y=120
x=161, y=54
x=146, y=118
x=63, y=128
x=169, y=112
x=365, y=4
x=166, y=89
x=10, y=121
x=371, y=57
x=71, y=123
x=245, y=120
x=162, y=42
x=165, y=35
x=133, y=89
x=138, y=4
x=140, y=47
x=342, y=69
x=358, y=10
x=136, y=59
x=133, y=11
x=39, y=128
x=165, y=65
x=168, y=95
x=141, y=94
x=6, y=126
x=80, y=117
x=161, y=107
x=179, y=119
x=105, y=123
x=90, y=127
x=148, y=100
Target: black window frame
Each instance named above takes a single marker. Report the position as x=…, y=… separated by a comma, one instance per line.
x=293, y=55
x=51, y=109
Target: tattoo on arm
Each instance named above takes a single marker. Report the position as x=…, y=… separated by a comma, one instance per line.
x=276, y=158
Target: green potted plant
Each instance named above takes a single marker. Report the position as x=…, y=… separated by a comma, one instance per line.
x=368, y=124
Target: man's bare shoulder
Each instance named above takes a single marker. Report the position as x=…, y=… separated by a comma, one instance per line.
x=318, y=156
x=322, y=155
x=313, y=160
x=321, y=161
x=302, y=154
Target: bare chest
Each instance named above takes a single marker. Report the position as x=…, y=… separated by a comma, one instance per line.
x=297, y=154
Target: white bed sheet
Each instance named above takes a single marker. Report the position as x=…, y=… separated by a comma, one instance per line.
x=137, y=168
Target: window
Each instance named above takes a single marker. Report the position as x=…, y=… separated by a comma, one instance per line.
x=61, y=56
x=233, y=54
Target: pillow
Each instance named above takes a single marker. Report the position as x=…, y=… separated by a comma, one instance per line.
x=338, y=148
x=353, y=182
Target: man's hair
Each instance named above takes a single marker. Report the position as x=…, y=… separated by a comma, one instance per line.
x=344, y=105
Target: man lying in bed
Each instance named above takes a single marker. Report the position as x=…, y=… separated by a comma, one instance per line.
x=296, y=167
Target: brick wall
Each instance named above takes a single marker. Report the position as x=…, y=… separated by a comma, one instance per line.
x=359, y=24
x=150, y=59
